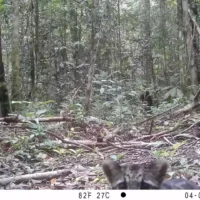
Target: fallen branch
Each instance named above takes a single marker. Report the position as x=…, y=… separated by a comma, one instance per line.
x=137, y=144
x=187, y=129
x=153, y=136
x=187, y=108
x=75, y=143
x=186, y=136
x=111, y=135
x=118, y=147
x=188, y=147
x=153, y=117
x=20, y=119
x=197, y=96
x=44, y=175
x=190, y=107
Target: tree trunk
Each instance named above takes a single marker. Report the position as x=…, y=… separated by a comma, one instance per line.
x=4, y=100
x=16, y=80
x=163, y=38
x=34, y=76
x=189, y=35
x=94, y=46
x=148, y=59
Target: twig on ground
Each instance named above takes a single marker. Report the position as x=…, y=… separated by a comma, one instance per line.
x=153, y=117
x=190, y=107
x=151, y=126
x=188, y=147
x=74, y=143
x=160, y=133
x=187, y=129
x=186, y=136
x=168, y=141
x=118, y=147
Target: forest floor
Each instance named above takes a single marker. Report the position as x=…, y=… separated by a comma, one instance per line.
x=69, y=154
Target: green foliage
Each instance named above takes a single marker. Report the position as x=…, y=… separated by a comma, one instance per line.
x=37, y=129
x=116, y=101
x=2, y=5
x=64, y=44
x=116, y=157
x=172, y=3
x=78, y=110
x=35, y=109
x=168, y=153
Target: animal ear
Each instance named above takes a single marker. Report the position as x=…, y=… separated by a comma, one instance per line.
x=113, y=171
x=158, y=169
x=147, y=93
x=149, y=100
x=142, y=97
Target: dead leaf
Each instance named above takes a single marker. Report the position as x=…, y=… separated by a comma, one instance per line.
x=53, y=181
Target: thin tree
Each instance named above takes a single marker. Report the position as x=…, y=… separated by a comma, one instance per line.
x=94, y=47
x=4, y=100
x=16, y=94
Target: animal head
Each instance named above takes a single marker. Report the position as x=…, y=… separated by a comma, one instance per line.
x=135, y=176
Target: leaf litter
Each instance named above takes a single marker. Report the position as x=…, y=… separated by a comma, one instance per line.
x=53, y=157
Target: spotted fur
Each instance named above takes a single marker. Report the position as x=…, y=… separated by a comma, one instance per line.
x=141, y=176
